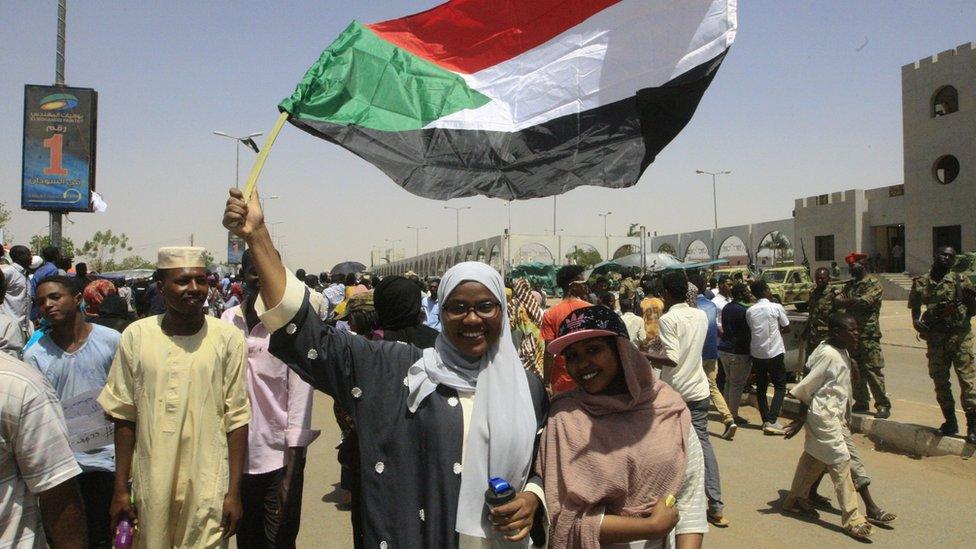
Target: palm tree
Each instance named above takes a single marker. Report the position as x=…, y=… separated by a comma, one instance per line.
x=776, y=241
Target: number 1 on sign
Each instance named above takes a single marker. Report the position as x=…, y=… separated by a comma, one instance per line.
x=55, y=142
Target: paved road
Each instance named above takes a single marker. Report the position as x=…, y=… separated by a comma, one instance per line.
x=935, y=497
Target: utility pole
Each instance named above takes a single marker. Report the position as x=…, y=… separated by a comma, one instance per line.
x=417, y=235
x=643, y=248
x=457, y=211
x=553, y=215
x=55, y=217
x=714, y=252
x=606, y=238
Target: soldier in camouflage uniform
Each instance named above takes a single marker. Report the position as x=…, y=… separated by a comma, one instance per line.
x=950, y=301
x=820, y=306
x=861, y=298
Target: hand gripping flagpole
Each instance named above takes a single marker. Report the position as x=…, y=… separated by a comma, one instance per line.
x=252, y=179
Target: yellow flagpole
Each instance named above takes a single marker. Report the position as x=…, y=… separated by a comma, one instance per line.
x=252, y=180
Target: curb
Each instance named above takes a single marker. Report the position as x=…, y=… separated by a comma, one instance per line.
x=916, y=440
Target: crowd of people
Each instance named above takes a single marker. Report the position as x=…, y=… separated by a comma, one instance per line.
x=586, y=419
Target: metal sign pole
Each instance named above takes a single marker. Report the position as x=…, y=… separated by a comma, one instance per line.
x=55, y=217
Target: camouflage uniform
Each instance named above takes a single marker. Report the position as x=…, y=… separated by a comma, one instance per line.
x=870, y=360
x=949, y=338
x=820, y=308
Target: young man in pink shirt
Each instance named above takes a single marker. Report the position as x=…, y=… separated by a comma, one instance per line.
x=271, y=489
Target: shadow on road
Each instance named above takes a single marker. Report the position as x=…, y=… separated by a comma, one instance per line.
x=776, y=506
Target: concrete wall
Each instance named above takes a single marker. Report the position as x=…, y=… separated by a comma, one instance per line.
x=758, y=232
x=672, y=240
x=500, y=251
x=688, y=238
x=742, y=232
x=926, y=139
x=842, y=217
x=884, y=209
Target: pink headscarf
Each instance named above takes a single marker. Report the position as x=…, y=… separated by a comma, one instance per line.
x=612, y=454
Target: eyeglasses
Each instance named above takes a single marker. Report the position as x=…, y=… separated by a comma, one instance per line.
x=457, y=310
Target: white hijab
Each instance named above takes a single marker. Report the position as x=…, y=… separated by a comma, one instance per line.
x=503, y=425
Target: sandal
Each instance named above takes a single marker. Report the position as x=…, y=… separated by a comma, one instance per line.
x=820, y=502
x=801, y=508
x=881, y=518
x=860, y=531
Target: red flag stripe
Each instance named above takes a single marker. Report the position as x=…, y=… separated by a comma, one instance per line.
x=467, y=36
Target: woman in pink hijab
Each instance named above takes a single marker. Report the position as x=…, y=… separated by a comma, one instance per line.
x=621, y=464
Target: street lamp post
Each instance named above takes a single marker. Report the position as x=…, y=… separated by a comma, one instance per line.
x=249, y=141
x=417, y=234
x=605, y=237
x=393, y=243
x=643, y=248
x=457, y=212
x=553, y=215
x=714, y=203
x=274, y=232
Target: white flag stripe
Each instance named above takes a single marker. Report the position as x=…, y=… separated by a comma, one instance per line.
x=628, y=46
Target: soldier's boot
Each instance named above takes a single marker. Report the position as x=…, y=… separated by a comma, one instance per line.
x=971, y=427
x=951, y=426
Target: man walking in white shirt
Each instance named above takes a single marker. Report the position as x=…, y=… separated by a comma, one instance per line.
x=723, y=296
x=636, y=330
x=682, y=332
x=17, y=301
x=767, y=322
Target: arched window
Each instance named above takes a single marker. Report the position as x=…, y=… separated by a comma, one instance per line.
x=945, y=101
x=946, y=169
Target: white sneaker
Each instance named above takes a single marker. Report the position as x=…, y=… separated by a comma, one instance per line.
x=729, y=431
x=774, y=429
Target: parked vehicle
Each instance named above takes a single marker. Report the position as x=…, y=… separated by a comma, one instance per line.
x=790, y=285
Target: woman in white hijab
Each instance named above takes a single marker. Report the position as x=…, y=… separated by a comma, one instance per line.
x=433, y=425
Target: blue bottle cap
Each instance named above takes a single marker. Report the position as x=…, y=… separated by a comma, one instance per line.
x=498, y=485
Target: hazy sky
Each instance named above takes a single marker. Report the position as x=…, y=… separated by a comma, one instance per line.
x=807, y=102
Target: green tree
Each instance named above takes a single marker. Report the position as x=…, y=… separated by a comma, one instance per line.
x=4, y=219
x=584, y=257
x=666, y=249
x=101, y=248
x=777, y=243
x=38, y=243
x=133, y=262
x=634, y=229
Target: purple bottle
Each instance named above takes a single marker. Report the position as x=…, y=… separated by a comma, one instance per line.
x=123, y=533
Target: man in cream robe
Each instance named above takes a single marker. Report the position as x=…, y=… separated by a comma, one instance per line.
x=176, y=389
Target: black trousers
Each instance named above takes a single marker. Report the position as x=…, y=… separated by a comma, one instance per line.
x=766, y=370
x=97, y=488
x=262, y=527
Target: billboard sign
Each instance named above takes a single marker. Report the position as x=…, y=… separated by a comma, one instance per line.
x=59, y=148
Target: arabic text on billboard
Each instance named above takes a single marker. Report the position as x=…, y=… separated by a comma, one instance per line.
x=59, y=148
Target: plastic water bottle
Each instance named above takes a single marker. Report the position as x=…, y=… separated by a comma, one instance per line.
x=499, y=492
x=123, y=533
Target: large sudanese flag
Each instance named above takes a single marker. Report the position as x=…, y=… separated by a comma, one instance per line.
x=516, y=99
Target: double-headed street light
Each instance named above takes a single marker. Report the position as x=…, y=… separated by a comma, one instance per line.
x=714, y=203
x=417, y=234
x=457, y=212
x=393, y=242
x=604, y=216
x=607, y=240
x=247, y=140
